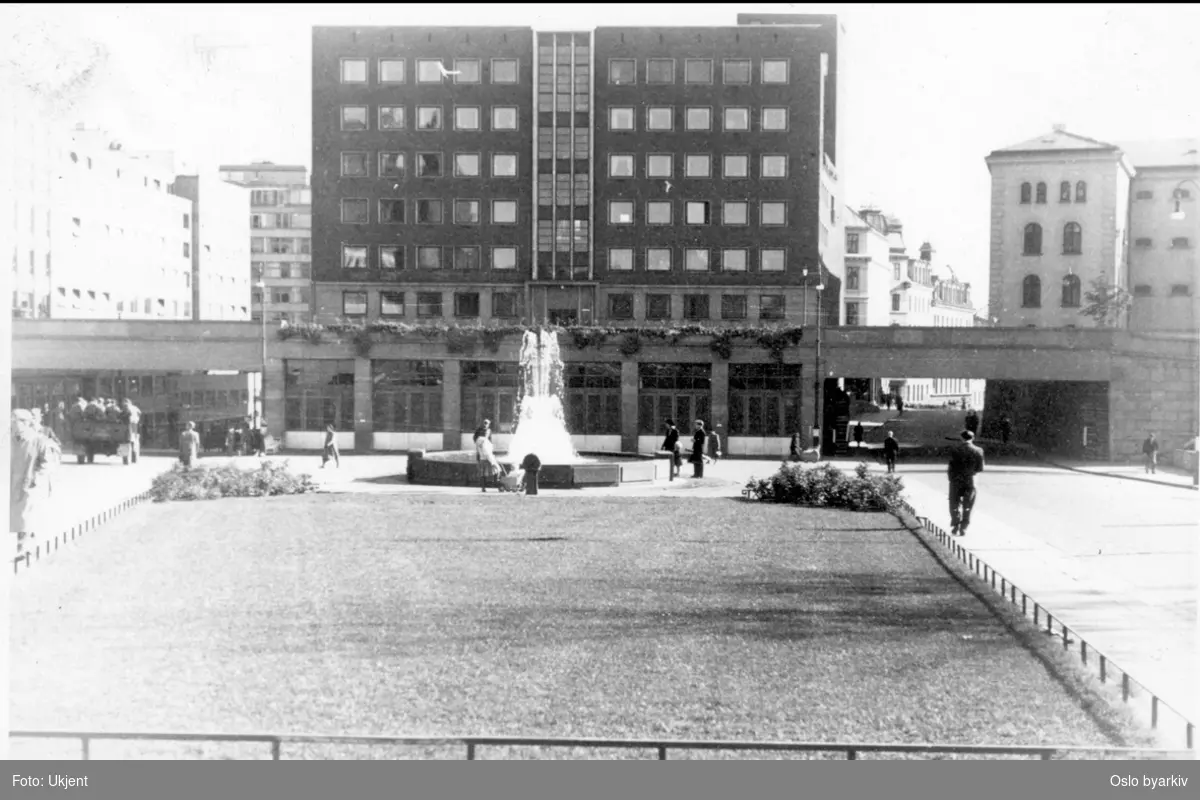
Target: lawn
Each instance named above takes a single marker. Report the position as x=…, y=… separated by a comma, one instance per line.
x=555, y=616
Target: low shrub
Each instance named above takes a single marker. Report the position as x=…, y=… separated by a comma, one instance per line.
x=827, y=486
x=212, y=483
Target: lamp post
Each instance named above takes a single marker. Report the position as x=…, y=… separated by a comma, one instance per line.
x=817, y=381
x=262, y=378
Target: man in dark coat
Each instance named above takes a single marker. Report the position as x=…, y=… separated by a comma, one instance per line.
x=858, y=435
x=1006, y=428
x=971, y=422
x=899, y=405
x=891, y=449
x=699, y=440
x=966, y=461
x=671, y=445
x=1150, y=451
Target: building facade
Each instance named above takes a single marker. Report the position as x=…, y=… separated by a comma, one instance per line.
x=280, y=239
x=219, y=248
x=869, y=282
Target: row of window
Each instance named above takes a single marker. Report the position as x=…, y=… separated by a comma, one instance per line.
x=1147, y=194
x=429, y=118
x=698, y=118
x=280, y=197
x=699, y=212
x=1031, y=291
x=1176, y=290
x=1072, y=239
x=622, y=259
x=501, y=71
x=285, y=220
x=268, y=244
x=734, y=72
x=1064, y=192
x=428, y=165
x=1177, y=243
x=392, y=211
x=273, y=269
x=92, y=300
x=697, y=165
x=505, y=305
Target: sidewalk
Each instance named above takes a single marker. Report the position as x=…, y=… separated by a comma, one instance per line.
x=1167, y=476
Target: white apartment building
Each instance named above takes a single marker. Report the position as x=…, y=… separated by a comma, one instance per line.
x=868, y=284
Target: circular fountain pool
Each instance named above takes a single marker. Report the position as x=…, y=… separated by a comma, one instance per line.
x=458, y=468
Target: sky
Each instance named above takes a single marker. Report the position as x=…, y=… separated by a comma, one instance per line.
x=930, y=90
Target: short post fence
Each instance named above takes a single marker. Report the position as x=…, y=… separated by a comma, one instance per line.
x=48, y=546
x=1009, y=591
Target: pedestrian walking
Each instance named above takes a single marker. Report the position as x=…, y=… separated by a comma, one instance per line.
x=1006, y=428
x=887, y=398
x=899, y=405
x=189, y=445
x=330, y=449
x=966, y=461
x=1150, y=451
x=891, y=449
x=858, y=435
x=29, y=474
x=672, y=447
x=971, y=422
x=531, y=464
x=699, y=439
x=796, y=446
x=485, y=457
x=714, y=444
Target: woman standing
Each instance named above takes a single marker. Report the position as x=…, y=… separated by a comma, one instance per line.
x=485, y=455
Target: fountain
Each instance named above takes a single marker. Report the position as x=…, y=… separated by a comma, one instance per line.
x=541, y=429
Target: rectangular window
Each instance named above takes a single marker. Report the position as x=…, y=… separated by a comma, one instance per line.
x=658, y=259
x=695, y=306
x=737, y=119
x=466, y=258
x=852, y=314
x=698, y=118
x=504, y=305
x=466, y=165
x=770, y=306
x=429, y=165
x=391, y=256
x=187, y=221
x=391, y=70
x=774, y=166
x=622, y=71
x=466, y=212
x=468, y=69
x=504, y=258
x=620, y=165
x=620, y=119
x=354, y=210
x=354, y=304
x=391, y=211
x=504, y=70
x=429, y=212
x=391, y=118
x=772, y=260
x=466, y=304
x=504, y=212
x=504, y=118
x=1142, y=290
x=852, y=243
x=466, y=118
x=698, y=166
x=1143, y=242
x=733, y=306
x=620, y=306
x=354, y=256
x=697, y=212
x=737, y=71
x=1145, y=195
x=429, y=118
x=354, y=165
x=391, y=165
x=429, y=70
x=620, y=212
x=354, y=70
x=354, y=118
x=737, y=166
x=1181, y=290
x=696, y=259
x=429, y=258
x=660, y=70
x=895, y=302
x=660, y=165
x=775, y=70
x=852, y=278
x=504, y=165
x=774, y=119
x=734, y=260
x=698, y=70
x=658, y=212
x=658, y=306
x=660, y=118
x=187, y=253
x=620, y=258
x=391, y=304
x=429, y=304
x=1180, y=243
x=735, y=212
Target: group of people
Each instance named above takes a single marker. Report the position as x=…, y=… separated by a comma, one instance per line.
x=35, y=452
x=245, y=440
x=706, y=448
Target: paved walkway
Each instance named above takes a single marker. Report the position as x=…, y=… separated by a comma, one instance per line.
x=1166, y=475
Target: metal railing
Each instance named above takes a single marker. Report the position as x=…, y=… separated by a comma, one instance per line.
x=1009, y=591
x=472, y=744
x=48, y=546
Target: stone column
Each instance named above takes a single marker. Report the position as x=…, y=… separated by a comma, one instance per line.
x=364, y=406
x=451, y=404
x=629, y=406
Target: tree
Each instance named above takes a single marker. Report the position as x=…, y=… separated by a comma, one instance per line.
x=1106, y=303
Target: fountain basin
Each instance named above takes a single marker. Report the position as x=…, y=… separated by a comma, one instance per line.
x=458, y=468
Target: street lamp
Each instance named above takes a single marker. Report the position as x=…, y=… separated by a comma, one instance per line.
x=262, y=378
x=1177, y=194
x=817, y=381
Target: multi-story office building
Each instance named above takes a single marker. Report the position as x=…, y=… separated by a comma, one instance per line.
x=280, y=238
x=219, y=247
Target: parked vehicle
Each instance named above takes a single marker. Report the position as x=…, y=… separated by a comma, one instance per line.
x=105, y=437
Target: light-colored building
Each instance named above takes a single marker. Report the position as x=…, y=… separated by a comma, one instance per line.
x=868, y=284
x=32, y=148
x=280, y=238
x=1060, y=215
x=1163, y=275
x=220, y=247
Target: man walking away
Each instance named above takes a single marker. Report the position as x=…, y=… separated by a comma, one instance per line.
x=531, y=464
x=714, y=444
x=971, y=422
x=671, y=445
x=891, y=449
x=189, y=445
x=699, y=438
x=330, y=449
x=858, y=435
x=966, y=461
x=1150, y=451
x=899, y=406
